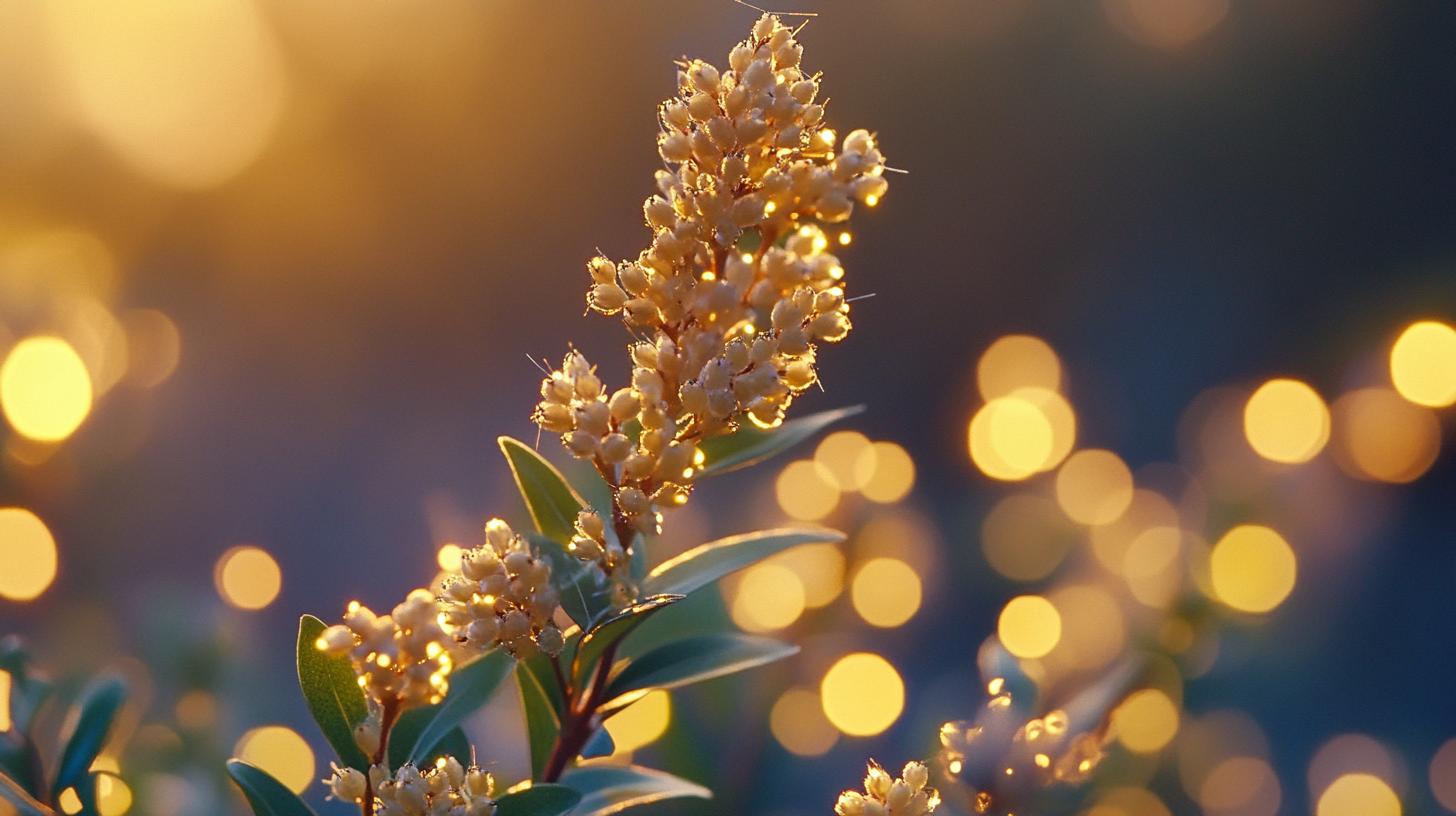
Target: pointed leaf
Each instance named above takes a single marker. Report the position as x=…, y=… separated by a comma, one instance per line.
x=538, y=800
x=599, y=745
x=552, y=502
x=539, y=665
x=705, y=564
x=12, y=793
x=608, y=789
x=268, y=796
x=471, y=686
x=749, y=445
x=542, y=724
x=90, y=723
x=332, y=692
x=610, y=631
x=694, y=660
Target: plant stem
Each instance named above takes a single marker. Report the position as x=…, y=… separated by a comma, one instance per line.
x=388, y=714
x=578, y=724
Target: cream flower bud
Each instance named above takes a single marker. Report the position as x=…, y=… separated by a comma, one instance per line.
x=675, y=147
x=633, y=278
x=581, y=444
x=623, y=405
x=616, y=448
x=916, y=774
x=601, y=270
x=347, y=784
x=850, y=804
x=335, y=640
x=877, y=781
x=367, y=736
x=607, y=298
x=499, y=535
x=659, y=215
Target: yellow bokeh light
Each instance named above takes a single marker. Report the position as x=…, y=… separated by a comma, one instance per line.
x=1358, y=794
x=1240, y=786
x=448, y=557
x=1025, y=537
x=45, y=389
x=862, y=694
x=1128, y=802
x=1146, y=721
x=247, y=577
x=69, y=801
x=641, y=723
x=1094, y=487
x=153, y=347
x=4, y=701
x=1029, y=626
x=113, y=796
x=1286, y=421
x=885, y=472
x=1355, y=753
x=820, y=568
x=807, y=490
x=839, y=453
x=1443, y=775
x=1423, y=364
x=767, y=597
x=281, y=752
x=1383, y=437
x=196, y=710
x=1094, y=629
x=187, y=93
x=1026, y=432
x=1017, y=361
x=1252, y=568
x=885, y=592
x=797, y=721
x=27, y=555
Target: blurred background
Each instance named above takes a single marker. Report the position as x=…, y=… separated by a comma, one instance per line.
x=270, y=273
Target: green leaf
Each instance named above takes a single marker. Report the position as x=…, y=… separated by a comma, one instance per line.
x=89, y=724
x=332, y=692
x=610, y=631
x=552, y=502
x=599, y=745
x=539, y=664
x=538, y=800
x=24, y=803
x=693, y=660
x=471, y=686
x=608, y=789
x=542, y=724
x=585, y=593
x=268, y=796
x=705, y=564
x=749, y=445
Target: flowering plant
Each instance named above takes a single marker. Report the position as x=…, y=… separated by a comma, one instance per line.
x=727, y=308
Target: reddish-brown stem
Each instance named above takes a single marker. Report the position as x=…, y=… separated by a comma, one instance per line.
x=388, y=714
x=579, y=718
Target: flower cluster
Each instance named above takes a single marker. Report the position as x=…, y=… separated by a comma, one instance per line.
x=400, y=658
x=502, y=596
x=884, y=795
x=733, y=294
x=448, y=789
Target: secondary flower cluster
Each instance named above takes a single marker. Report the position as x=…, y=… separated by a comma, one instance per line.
x=884, y=795
x=502, y=596
x=448, y=789
x=400, y=658
x=733, y=294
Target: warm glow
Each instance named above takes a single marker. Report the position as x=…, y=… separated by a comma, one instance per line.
x=797, y=721
x=1093, y=626
x=862, y=694
x=885, y=472
x=1383, y=437
x=1029, y=626
x=1286, y=421
x=886, y=592
x=641, y=723
x=448, y=557
x=1146, y=721
x=807, y=490
x=153, y=347
x=4, y=701
x=281, y=752
x=767, y=597
x=1017, y=361
x=1025, y=537
x=186, y=93
x=1252, y=568
x=1358, y=794
x=839, y=453
x=820, y=568
x=1094, y=487
x=45, y=389
x=1240, y=786
x=27, y=555
x=1354, y=753
x=1128, y=802
x=1443, y=775
x=1166, y=24
x=196, y=710
x=69, y=801
x=1423, y=364
x=113, y=796
x=247, y=577
x=1026, y=432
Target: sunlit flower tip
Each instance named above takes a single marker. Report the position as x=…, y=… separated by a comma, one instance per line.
x=447, y=789
x=367, y=735
x=346, y=784
x=887, y=796
x=336, y=639
x=601, y=270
